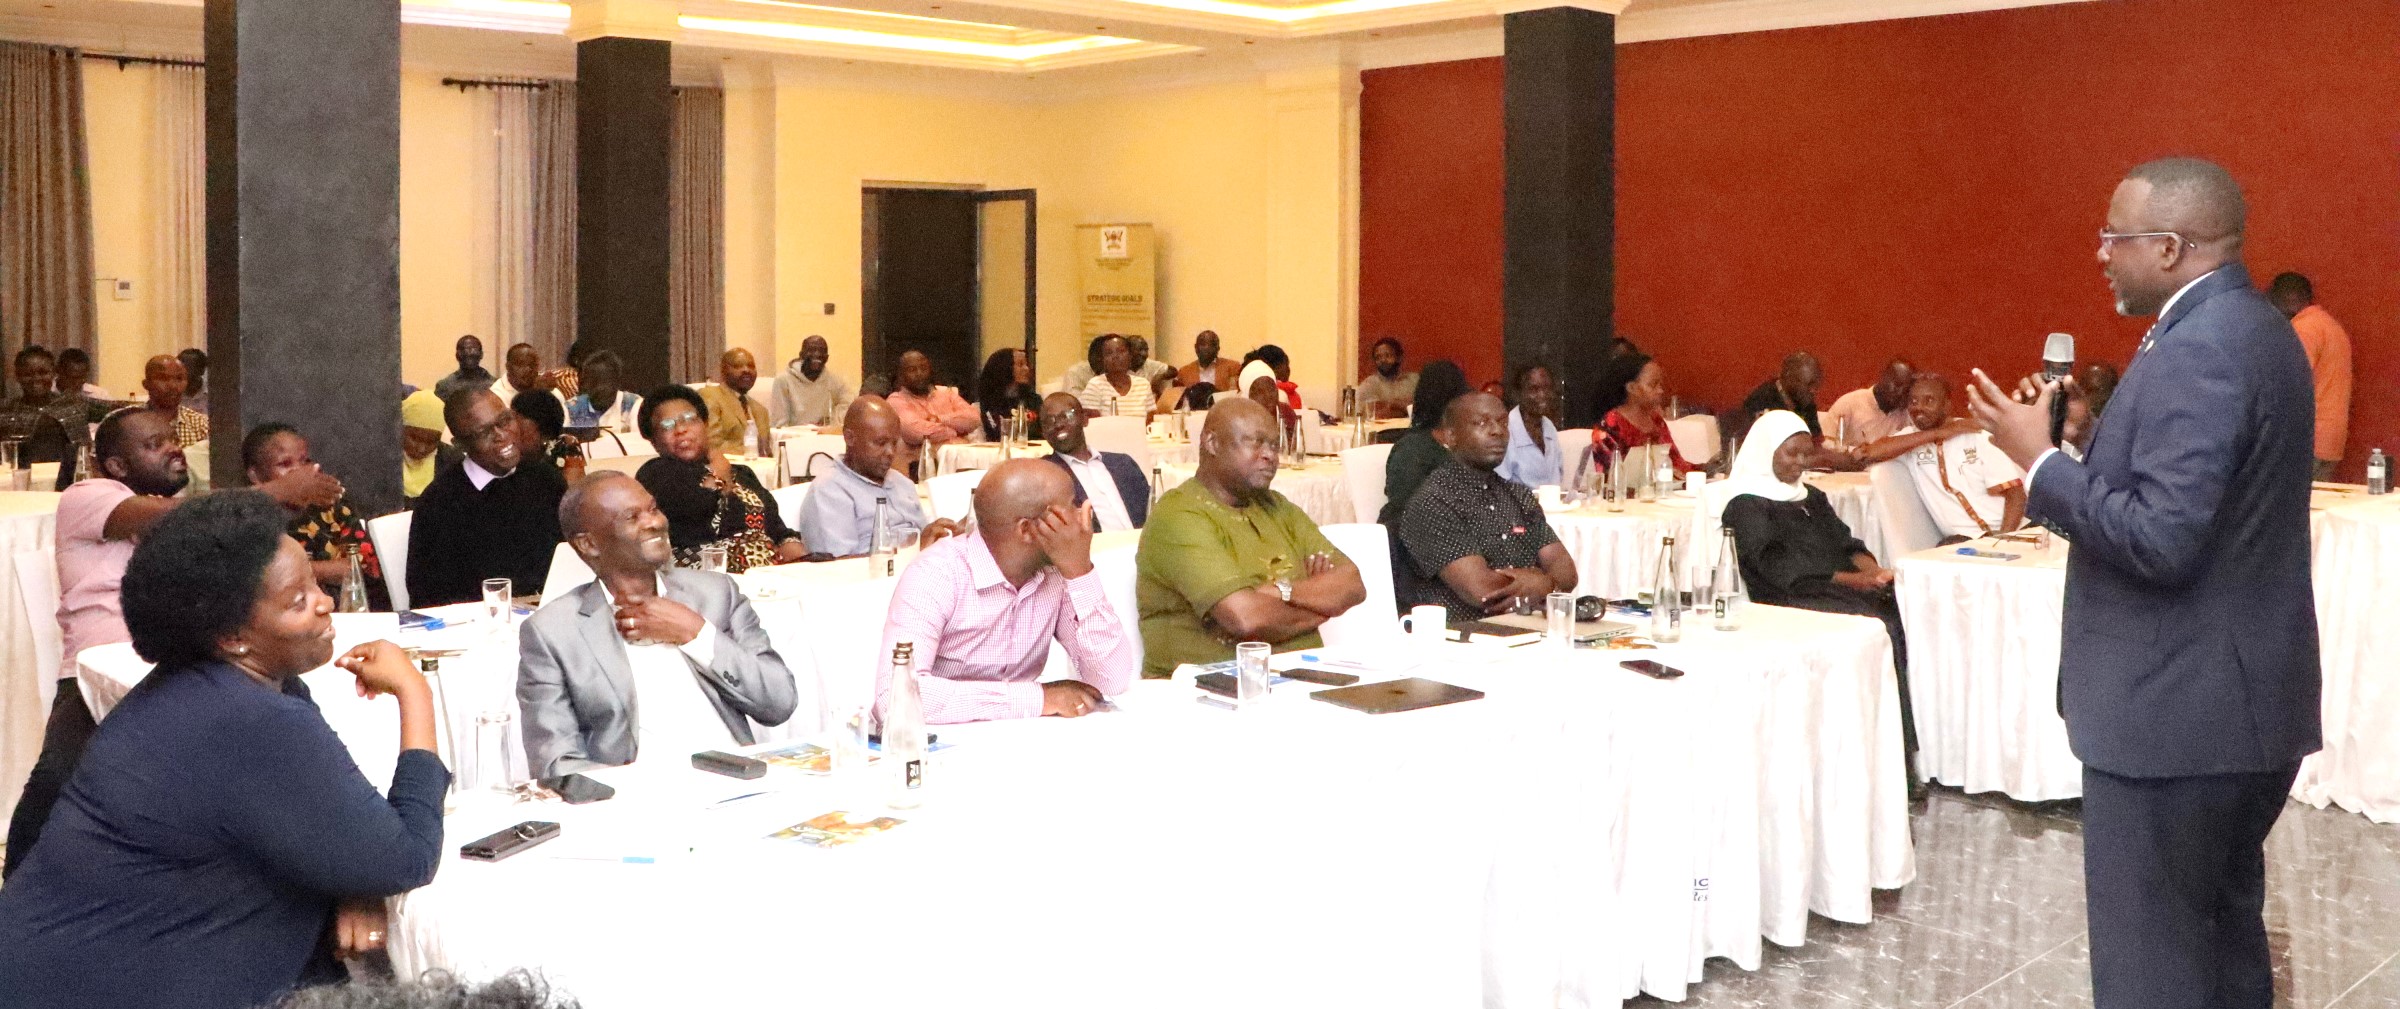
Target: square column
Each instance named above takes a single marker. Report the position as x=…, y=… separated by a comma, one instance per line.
x=1558, y=271
x=1312, y=214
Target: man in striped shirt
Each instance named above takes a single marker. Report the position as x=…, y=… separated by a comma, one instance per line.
x=982, y=608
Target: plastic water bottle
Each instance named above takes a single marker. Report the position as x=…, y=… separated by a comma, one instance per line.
x=1666, y=601
x=750, y=438
x=2379, y=472
x=904, y=746
x=883, y=556
x=354, y=585
x=1726, y=592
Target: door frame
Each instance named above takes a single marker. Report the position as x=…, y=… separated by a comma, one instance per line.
x=1032, y=356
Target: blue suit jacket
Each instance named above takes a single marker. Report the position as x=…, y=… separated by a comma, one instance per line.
x=1131, y=484
x=2190, y=644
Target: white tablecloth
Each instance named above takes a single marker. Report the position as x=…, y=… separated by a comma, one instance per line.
x=961, y=457
x=1983, y=638
x=28, y=521
x=1616, y=552
x=2358, y=591
x=1581, y=834
x=1318, y=487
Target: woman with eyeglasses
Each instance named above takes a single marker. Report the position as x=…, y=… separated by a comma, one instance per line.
x=708, y=500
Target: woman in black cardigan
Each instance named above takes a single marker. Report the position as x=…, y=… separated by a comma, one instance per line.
x=708, y=501
x=217, y=846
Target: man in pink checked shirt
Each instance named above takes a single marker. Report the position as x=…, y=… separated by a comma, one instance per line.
x=982, y=608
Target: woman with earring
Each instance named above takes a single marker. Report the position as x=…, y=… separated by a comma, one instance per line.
x=216, y=845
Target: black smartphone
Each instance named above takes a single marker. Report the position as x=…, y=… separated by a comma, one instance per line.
x=1220, y=684
x=504, y=843
x=577, y=789
x=729, y=765
x=1653, y=670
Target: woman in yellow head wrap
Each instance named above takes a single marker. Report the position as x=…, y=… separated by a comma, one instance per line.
x=422, y=453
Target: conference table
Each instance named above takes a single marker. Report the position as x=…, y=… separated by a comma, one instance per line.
x=1616, y=547
x=1983, y=640
x=28, y=528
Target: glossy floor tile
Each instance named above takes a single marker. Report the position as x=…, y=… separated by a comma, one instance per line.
x=1995, y=920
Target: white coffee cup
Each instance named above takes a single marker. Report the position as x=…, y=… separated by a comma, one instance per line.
x=1428, y=625
x=1694, y=481
x=1547, y=494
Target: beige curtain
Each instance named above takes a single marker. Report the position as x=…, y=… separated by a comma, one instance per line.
x=696, y=235
x=179, y=229
x=45, y=202
x=550, y=192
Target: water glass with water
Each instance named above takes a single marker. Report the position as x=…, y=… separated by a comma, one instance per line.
x=495, y=765
x=1250, y=666
x=20, y=469
x=1559, y=619
x=713, y=558
x=496, y=598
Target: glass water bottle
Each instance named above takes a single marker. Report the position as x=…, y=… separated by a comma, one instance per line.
x=882, y=554
x=1666, y=600
x=1727, y=594
x=354, y=584
x=904, y=745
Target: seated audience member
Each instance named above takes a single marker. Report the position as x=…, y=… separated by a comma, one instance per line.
x=1479, y=541
x=568, y=380
x=1158, y=373
x=1533, y=457
x=422, y=451
x=982, y=608
x=195, y=370
x=1257, y=384
x=1208, y=367
x=1225, y=558
x=542, y=433
x=163, y=379
x=1117, y=391
x=928, y=413
x=1969, y=487
x=807, y=393
x=58, y=422
x=521, y=372
x=1081, y=372
x=218, y=846
x=730, y=408
x=1419, y=453
x=435, y=989
x=1110, y=481
x=490, y=516
x=1793, y=389
x=1795, y=551
x=604, y=405
x=1281, y=364
x=2099, y=381
x=1878, y=411
x=1005, y=389
x=838, y=520
x=99, y=521
x=1633, y=411
x=471, y=373
x=1195, y=397
x=1387, y=391
x=75, y=376
x=699, y=665
x=325, y=525
x=707, y=499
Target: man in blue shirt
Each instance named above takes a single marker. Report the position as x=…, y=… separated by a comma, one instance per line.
x=1533, y=458
x=838, y=519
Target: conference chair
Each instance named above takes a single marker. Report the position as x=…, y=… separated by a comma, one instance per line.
x=1193, y=423
x=389, y=533
x=1907, y=526
x=788, y=500
x=1115, y=563
x=1363, y=470
x=1375, y=622
x=37, y=589
x=1695, y=436
x=954, y=494
x=1125, y=435
x=568, y=572
x=1573, y=443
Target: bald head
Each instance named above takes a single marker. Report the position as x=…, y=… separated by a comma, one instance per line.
x=2193, y=198
x=870, y=437
x=1020, y=489
x=1237, y=448
x=1800, y=377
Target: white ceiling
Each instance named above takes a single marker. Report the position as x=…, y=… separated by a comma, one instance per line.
x=1066, y=43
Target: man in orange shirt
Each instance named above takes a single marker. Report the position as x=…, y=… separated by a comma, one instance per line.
x=2328, y=349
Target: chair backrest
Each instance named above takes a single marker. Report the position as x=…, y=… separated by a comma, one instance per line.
x=1573, y=442
x=1193, y=422
x=1696, y=437
x=1708, y=530
x=1126, y=435
x=568, y=572
x=954, y=494
x=1907, y=526
x=625, y=464
x=1312, y=432
x=787, y=503
x=389, y=533
x=1363, y=469
x=1376, y=621
x=37, y=588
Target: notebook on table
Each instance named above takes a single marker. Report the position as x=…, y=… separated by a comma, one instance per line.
x=1397, y=695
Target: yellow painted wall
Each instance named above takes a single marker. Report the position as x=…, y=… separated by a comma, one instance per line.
x=117, y=110
x=443, y=138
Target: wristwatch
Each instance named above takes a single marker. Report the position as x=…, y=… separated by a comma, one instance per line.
x=1283, y=587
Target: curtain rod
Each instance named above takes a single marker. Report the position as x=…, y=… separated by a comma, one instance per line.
x=464, y=84
x=122, y=61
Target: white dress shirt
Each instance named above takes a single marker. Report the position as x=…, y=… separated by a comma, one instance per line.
x=1108, y=506
x=672, y=718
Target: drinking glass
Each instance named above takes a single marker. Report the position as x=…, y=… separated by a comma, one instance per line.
x=1560, y=619
x=713, y=558
x=1250, y=663
x=848, y=750
x=496, y=597
x=495, y=766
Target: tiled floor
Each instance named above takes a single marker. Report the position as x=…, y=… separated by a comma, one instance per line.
x=1995, y=920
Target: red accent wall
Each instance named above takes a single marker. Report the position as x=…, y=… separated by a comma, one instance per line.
x=1928, y=187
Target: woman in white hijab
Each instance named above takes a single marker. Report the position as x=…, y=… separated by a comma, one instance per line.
x=1794, y=550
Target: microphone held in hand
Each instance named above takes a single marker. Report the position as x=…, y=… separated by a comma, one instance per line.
x=2058, y=362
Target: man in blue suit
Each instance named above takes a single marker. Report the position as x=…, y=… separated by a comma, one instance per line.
x=1111, y=481
x=2188, y=676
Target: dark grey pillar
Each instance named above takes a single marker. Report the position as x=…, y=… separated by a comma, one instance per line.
x=624, y=115
x=1559, y=164
x=304, y=234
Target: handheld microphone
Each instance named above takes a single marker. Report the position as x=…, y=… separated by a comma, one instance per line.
x=2058, y=362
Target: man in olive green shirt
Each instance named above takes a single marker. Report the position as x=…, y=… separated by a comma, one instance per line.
x=1225, y=559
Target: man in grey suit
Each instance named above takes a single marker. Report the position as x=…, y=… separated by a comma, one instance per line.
x=643, y=654
x=2189, y=675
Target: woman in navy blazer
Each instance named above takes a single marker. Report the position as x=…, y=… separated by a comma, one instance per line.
x=217, y=847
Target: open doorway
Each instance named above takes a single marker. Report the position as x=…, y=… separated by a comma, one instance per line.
x=949, y=272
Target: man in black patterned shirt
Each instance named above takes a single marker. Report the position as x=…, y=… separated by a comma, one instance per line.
x=1479, y=541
